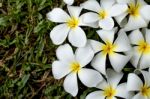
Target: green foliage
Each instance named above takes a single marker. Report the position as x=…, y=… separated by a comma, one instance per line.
x=26, y=51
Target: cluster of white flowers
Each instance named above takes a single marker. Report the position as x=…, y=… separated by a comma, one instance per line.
x=127, y=43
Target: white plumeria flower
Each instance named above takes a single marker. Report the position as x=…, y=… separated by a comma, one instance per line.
x=138, y=12
x=104, y=13
x=73, y=65
x=111, y=48
x=69, y=2
x=70, y=26
x=111, y=88
x=134, y=83
x=141, y=49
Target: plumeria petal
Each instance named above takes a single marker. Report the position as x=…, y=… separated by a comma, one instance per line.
x=113, y=77
x=137, y=35
x=122, y=43
x=58, y=15
x=135, y=23
x=69, y=2
x=145, y=61
x=77, y=37
x=89, y=77
x=134, y=83
x=106, y=35
x=118, y=9
x=92, y=5
x=147, y=36
x=65, y=53
x=113, y=98
x=136, y=57
x=123, y=1
x=59, y=34
x=102, y=85
x=107, y=23
x=118, y=61
x=142, y=2
x=107, y=4
x=95, y=95
x=83, y=23
x=139, y=96
x=71, y=84
x=74, y=11
x=90, y=17
x=84, y=55
x=99, y=63
x=145, y=12
x=60, y=69
x=122, y=91
x=97, y=46
x=146, y=76
x=121, y=20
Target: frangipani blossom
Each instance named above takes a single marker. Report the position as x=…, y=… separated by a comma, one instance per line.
x=71, y=65
x=138, y=12
x=70, y=26
x=141, y=49
x=69, y=2
x=111, y=48
x=111, y=88
x=104, y=13
x=135, y=84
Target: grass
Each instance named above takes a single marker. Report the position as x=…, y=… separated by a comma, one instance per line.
x=26, y=51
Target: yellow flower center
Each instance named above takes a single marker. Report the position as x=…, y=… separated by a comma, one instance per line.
x=145, y=90
x=109, y=92
x=73, y=22
x=75, y=67
x=134, y=9
x=143, y=47
x=102, y=14
x=108, y=48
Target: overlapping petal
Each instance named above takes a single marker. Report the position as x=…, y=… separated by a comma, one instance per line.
x=122, y=42
x=60, y=69
x=144, y=11
x=106, y=35
x=69, y=2
x=96, y=95
x=123, y=92
x=107, y=4
x=90, y=77
x=77, y=37
x=118, y=9
x=99, y=63
x=71, y=84
x=137, y=35
x=113, y=77
x=90, y=17
x=58, y=15
x=84, y=55
x=135, y=57
x=92, y=5
x=97, y=46
x=59, y=34
x=134, y=83
x=74, y=11
x=65, y=53
x=135, y=23
x=107, y=23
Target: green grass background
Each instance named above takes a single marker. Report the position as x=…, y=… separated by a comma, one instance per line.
x=26, y=51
